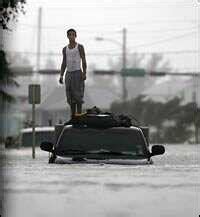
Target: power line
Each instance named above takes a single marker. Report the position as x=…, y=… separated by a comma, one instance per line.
x=115, y=53
x=113, y=24
x=170, y=52
x=106, y=53
x=121, y=6
x=60, y=27
x=107, y=31
x=161, y=30
x=165, y=40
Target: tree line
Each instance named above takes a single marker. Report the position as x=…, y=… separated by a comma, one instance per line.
x=169, y=122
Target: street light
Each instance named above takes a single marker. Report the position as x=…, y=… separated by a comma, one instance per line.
x=108, y=39
x=123, y=47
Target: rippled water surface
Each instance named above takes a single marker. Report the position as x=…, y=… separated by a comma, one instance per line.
x=168, y=188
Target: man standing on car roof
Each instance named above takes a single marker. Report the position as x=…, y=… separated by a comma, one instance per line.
x=73, y=56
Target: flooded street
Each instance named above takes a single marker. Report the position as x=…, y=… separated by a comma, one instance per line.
x=168, y=188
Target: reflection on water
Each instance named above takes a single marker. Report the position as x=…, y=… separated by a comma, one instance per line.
x=35, y=188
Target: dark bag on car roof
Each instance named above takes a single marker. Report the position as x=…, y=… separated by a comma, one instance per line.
x=95, y=118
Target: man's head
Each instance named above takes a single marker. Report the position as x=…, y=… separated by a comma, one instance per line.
x=71, y=34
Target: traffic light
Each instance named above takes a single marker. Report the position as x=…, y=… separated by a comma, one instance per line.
x=139, y=72
x=133, y=72
x=153, y=73
x=105, y=72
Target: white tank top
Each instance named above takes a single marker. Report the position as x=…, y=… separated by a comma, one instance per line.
x=73, y=59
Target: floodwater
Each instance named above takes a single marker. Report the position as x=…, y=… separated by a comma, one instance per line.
x=168, y=188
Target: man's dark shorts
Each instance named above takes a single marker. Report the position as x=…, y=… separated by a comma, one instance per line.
x=75, y=86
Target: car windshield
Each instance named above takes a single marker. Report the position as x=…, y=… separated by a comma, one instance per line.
x=107, y=141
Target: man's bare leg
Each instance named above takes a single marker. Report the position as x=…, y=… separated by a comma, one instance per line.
x=73, y=109
x=79, y=108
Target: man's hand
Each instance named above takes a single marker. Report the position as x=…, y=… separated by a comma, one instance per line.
x=84, y=75
x=61, y=79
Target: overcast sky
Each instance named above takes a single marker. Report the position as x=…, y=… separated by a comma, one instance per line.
x=152, y=26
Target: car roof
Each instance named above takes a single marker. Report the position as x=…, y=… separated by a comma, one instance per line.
x=38, y=129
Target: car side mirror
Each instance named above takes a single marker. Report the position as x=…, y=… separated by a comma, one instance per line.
x=46, y=146
x=157, y=150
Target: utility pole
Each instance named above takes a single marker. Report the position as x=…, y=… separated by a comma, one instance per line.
x=34, y=89
x=1, y=39
x=195, y=118
x=39, y=31
x=196, y=133
x=123, y=69
x=124, y=90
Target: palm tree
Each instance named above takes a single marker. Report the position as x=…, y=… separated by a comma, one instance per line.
x=8, y=11
x=6, y=80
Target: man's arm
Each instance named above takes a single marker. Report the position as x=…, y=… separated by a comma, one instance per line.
x=63, y=65
x=83, y=58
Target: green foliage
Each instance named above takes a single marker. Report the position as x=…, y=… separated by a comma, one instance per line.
x=171, y=120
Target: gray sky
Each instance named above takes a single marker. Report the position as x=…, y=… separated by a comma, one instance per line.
x=152, y=26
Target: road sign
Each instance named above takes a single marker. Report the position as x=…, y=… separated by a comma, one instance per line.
x=34, y=94
x=34, y=98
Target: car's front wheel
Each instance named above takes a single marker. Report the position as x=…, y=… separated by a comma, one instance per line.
x=52, y=158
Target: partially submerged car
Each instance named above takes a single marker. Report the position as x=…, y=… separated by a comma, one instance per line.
x=83, y=143
x=41, y=134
